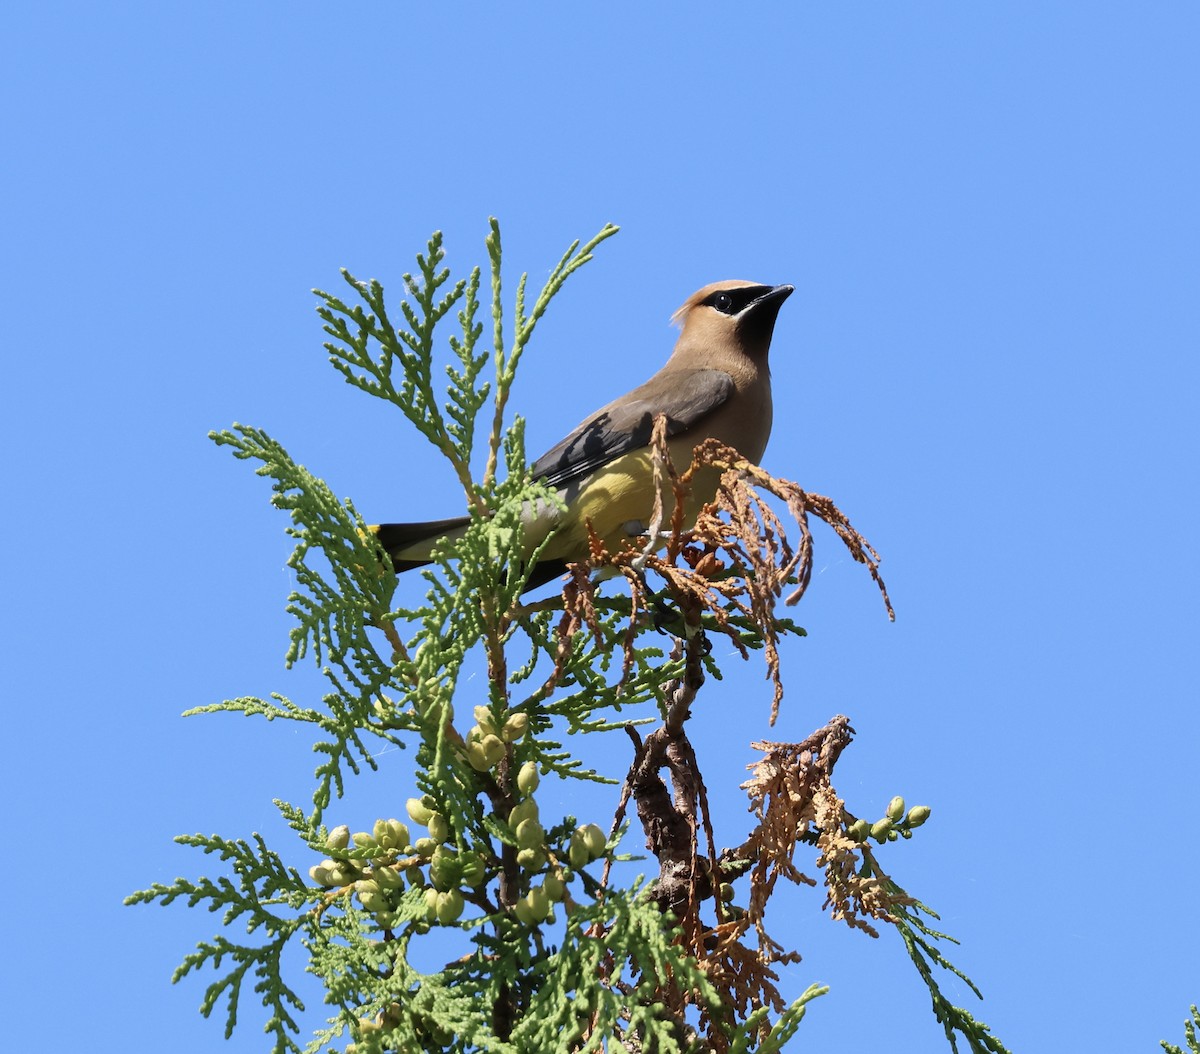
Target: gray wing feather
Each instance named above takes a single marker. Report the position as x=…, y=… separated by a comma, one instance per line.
x=685, y=396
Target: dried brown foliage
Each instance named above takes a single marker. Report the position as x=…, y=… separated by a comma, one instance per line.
x=792, y=794
x=725, y=574
x=732, y=566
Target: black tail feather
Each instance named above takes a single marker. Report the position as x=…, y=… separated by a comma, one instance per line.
x=400, y=539
x=396, y=538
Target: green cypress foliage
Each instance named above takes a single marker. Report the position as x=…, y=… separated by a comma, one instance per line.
x=543, y=948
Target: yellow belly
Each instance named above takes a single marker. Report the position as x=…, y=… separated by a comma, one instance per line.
x=618, y=502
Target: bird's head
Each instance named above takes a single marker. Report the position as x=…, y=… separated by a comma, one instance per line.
x=732, y=314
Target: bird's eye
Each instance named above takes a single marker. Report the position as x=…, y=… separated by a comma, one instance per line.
x=723, y=302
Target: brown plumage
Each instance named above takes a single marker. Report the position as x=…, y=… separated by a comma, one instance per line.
x=716, y=383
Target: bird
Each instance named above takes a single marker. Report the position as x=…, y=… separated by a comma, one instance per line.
x=715, y=384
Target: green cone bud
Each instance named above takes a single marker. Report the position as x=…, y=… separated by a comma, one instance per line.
x=397, y=835
x=474, y=873
x=528, y=778
x=893, y=835
x=577, y=851
x=531, y=859
x=374, y=901
x=539, y=903
x=523, y=911
x=370, y=896
x=493, y=749
x=338, y=838
x=476, y=757
x=387, y=878
x=340, y=872
x=445, y=870
x=895, y=809
x=385, y=920
x=320, y=874
x=380, y=833
x=554, y=887
x=526, y=810
x=362, y=840
x=726, y=892
x=425, y=847
x=530, y=834
x=418, y=811
x=515, y=727
x=859, y=831
x=483, y=716
x=918, y=814
x=879, y=830
x=449, y=906
x=431, y=904
x=595, y=840
x=415, y=876
x=439, y=827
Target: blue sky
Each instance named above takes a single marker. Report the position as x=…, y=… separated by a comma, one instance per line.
x=990, y=216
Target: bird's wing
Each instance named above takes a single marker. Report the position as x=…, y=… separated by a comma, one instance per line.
x=685, y=396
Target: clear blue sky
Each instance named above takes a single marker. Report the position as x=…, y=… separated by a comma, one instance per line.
x=990, y=215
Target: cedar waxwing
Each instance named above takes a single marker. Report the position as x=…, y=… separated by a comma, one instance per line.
x=715, y=384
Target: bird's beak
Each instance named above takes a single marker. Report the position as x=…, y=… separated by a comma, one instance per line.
x=776, y=296
x=756, y=323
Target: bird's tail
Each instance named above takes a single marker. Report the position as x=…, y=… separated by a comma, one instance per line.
x=411, y=545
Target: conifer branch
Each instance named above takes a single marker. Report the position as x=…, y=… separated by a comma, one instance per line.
x=547, y=951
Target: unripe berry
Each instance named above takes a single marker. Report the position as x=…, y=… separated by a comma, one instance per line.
x=577, y=851
x=439, y=827
x=387, y=878
x=531, y=859
x=474, y=873
x=595, y=840
x=449, y=906
x=445, y=870
x=425, y=847
x=528, y=778
x=493, y=749
x=530, y=834
x=918, y=814
x=526, y=810
x=554, y=887
x=397, y=835
x=320, y=873
x=418, y=811
x=515, y=727
x=477, y=757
